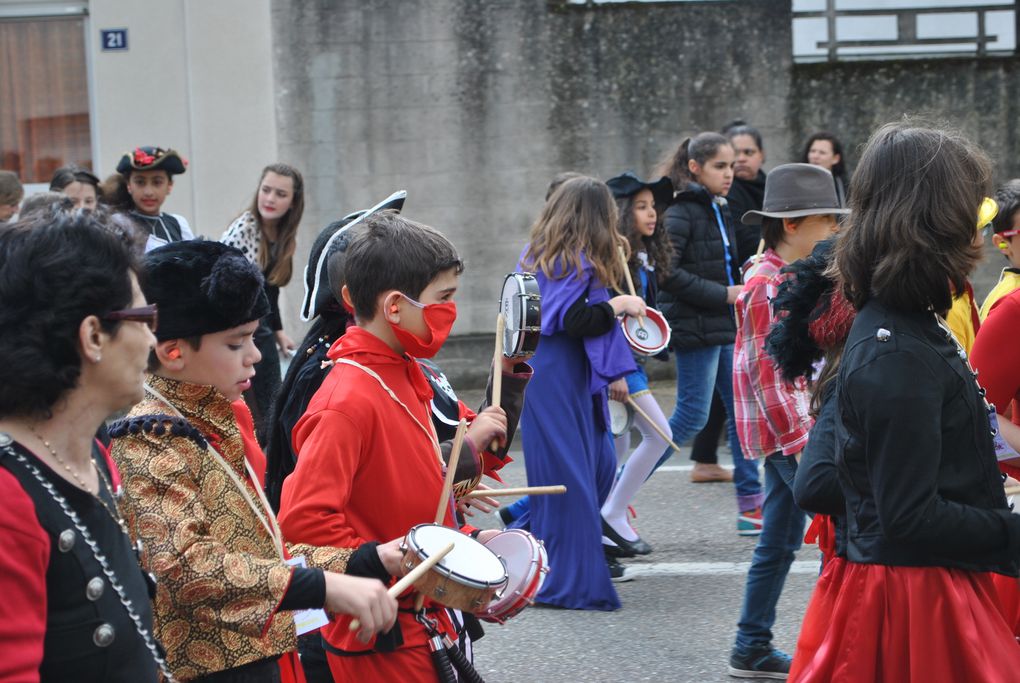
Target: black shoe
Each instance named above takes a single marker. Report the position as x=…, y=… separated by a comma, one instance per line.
x=628, y=548
x=761, y=663
x=505, y=515
x=617, y=572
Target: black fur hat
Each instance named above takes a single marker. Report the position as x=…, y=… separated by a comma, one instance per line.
x=202, y=287
x=801, y=300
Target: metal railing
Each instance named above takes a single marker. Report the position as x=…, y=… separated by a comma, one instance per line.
x=968, y=24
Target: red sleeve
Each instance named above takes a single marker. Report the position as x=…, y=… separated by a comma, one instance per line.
x=996, y=353
x=24, y=558
x=314, y=502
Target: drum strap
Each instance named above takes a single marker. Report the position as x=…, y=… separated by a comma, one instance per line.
x=429, y=431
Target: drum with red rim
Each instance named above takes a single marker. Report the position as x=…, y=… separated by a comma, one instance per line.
x=650, y=338
x=526, y=565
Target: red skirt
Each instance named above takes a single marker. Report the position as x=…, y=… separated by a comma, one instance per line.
x=869, y=622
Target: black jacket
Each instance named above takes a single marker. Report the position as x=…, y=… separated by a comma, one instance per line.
x=693, y=294
x=914, y=451
x=744, y=196
x=816, y=487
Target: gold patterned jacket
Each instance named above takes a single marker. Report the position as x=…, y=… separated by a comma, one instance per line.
x=220, y=577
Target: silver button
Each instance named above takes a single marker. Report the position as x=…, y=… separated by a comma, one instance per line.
x=103, y=635
x=66, y=540
x=94, y=589
x=883, y=335
x=5, y=439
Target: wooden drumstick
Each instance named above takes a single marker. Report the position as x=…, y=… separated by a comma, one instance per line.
x=497, y=372
x=656, y=427
x=451, y=469
x=409, y=578
x=630, y=282
x=519, y=491
x=1012, y=490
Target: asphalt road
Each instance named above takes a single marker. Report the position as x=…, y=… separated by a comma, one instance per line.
x=679, y=614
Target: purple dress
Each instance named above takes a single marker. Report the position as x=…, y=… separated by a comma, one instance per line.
x=566, y=440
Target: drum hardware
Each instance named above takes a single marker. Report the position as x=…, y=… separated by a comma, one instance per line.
x=527, y=565
x=467, y=579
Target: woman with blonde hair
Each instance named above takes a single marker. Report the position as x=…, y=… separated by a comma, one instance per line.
x=582, y=358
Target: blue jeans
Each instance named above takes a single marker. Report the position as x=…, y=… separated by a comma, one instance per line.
x=781, y=537
x=698, y=371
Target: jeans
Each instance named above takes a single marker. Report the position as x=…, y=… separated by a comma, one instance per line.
x=698, y=372
x=781, y=537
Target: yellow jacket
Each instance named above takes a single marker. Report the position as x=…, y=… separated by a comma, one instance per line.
x=1008, y=281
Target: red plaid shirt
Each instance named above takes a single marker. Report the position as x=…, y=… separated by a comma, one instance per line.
x=771, y=414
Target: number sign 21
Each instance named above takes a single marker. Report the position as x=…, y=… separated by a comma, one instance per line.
x=114, y=39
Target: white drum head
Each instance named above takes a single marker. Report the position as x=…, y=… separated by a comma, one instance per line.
x=512, y=307
x=649, y=338
x=620, y=417
x=469, y=558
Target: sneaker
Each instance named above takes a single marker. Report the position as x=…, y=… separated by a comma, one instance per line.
x=618, y=572
x=706, y=473
x=749, y=522
x=763, y=663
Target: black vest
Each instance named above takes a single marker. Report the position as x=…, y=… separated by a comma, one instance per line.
x=89, y=635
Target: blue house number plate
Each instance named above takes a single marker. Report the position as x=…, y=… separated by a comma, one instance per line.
x=114, y=38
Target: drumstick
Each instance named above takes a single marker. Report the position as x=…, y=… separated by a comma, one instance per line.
x=451, y=468
x=1012, y=490
x=630, y=282
x=656, y=427
x=519, y=491
x=497, y=372
x=412, y=576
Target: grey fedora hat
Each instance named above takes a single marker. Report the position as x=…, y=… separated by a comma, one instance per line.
x=796, y=190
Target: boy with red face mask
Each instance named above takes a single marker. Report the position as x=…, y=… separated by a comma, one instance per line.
x=369, y=464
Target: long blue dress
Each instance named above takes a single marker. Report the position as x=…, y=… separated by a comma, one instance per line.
x=566, y=441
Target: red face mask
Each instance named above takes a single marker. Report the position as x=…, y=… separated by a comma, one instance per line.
x=438, y=318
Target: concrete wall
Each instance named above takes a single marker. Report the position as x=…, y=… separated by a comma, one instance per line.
x=198, y=77
x=472, y=106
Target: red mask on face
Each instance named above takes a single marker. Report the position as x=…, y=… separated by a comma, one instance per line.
x=438, y=318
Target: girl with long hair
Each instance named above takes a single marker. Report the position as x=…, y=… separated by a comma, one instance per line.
x=267, y=235
x=582, y=358
x=824, y=149
x=697, y=293
x=639, y=203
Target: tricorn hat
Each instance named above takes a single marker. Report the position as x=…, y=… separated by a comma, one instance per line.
x=628, y=184
x=152, y=159
x=202, y=287
x=797, y=190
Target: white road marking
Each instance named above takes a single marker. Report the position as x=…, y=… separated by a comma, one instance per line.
x=712, y=568
x=685, y=468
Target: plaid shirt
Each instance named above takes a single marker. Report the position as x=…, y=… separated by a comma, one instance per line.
x=771, y=414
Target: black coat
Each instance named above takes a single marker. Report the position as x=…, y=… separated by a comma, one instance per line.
x=816, y=487
x=744, y=196
x=693, y=294
x=914, y=451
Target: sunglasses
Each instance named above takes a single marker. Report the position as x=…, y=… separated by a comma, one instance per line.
x=146, y=314
x=1008, y=233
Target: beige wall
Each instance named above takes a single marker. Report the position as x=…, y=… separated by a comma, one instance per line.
x=197, y=77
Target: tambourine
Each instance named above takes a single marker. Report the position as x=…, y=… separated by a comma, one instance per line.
x=621, y=418
x=526, y=564
x=650, y=339
x=521, y=306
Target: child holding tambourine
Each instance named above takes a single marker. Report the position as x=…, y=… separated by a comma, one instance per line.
x=640, y=225
x=582, y=358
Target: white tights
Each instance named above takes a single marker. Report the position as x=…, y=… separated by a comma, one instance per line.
x=639, y=465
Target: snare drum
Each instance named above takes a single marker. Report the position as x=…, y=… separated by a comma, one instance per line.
x=467, y=579
x=621, y=418
x=651, y=339
x=526, y=564
x=521, y=306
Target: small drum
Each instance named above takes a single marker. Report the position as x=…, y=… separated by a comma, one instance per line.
x=621, y=418
x=651, y=339
x=527, y=564
x=521, y=306
x=467, y=579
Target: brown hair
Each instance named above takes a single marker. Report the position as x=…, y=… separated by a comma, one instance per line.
x=657, y=245
x=580, y=217
x=909, y=239
x=11, y=190
x=701, y=148
x=286, y=228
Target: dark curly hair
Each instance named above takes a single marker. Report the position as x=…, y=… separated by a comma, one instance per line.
x=657, y=246
x=56, y=269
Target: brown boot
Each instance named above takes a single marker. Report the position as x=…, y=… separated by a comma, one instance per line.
x=704, y=473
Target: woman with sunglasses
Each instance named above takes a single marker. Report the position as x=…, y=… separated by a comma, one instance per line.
x=76, y=341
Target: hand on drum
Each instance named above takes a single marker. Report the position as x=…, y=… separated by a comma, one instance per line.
x=626, y=304
x=488, y=425
x=364, y=599
x=484, y=504
x=392, y=556
x=618, y=390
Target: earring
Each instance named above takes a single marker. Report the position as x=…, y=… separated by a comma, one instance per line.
x=173, y=354
x=1003, y=245
x=97, y=358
